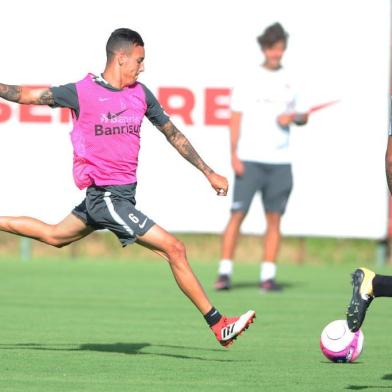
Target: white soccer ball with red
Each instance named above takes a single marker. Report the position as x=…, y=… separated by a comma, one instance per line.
x=339, y=344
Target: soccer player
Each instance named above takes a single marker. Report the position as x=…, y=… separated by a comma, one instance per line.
x=107, y=112
x=263, y=108
x=368, y=285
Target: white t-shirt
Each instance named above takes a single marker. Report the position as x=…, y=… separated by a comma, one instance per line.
x=261, y=99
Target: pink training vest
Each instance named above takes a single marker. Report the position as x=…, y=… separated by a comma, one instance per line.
x=106, y=135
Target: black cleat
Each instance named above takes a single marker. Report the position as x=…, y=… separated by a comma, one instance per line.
x=223, y=282
x=270, y=285
x=362, y=279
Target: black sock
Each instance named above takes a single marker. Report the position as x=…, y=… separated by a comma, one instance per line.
x=382, y=286
x=212, y=317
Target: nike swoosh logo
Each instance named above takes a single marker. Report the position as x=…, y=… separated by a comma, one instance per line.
x=103, y=99
x=143, y=224
x=111, y=116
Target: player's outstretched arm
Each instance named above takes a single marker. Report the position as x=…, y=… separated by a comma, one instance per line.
x=26, y=95
x=178, y=140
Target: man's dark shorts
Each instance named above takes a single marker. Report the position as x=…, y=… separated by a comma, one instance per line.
x=275, y=181
x=113, y=208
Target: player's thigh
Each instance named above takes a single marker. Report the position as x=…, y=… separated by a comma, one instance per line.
x=245, y=187
x=71, y=229
x=277, y=188
x=119, y=215
x=160, y=240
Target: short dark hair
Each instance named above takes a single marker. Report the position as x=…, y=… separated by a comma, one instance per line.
x=120, y=39
x=271, y=35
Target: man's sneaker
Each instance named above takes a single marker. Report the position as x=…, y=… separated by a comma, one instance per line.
x=227, y=329
x=223, y=282
x=270, y=286
x=362, y=297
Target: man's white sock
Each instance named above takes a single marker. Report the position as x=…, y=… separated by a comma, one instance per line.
x=267, y=270
x=225, y=267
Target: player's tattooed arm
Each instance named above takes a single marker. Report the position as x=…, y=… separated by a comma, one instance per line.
x=10, y=93
x=26, y=95
x=178, y=140
x=185, y=148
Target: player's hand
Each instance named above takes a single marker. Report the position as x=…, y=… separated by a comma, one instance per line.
x=285, y=119
x=219, y=183
x=301, y=118
x=238, y=166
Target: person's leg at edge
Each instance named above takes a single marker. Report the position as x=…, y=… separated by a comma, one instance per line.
x=367, y=285
x=382, y=285
x=173, y=250
x=229, y=244
x=272, y=239
x=70, y=229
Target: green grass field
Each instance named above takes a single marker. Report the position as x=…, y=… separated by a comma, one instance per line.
x=105, y=325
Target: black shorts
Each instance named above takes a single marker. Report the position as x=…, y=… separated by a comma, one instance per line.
x=113, y=207
x=274, y=181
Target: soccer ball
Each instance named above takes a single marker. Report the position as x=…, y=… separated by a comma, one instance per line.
x=339, y=344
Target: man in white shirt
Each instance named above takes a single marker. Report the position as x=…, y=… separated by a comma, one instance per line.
x=262, y=112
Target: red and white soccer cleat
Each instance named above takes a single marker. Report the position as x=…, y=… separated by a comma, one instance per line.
x=228, y=329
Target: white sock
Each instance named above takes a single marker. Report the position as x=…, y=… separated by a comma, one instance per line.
x=267, y=270
x=225, y=267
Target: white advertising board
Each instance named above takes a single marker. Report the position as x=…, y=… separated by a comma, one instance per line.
x=337, y=50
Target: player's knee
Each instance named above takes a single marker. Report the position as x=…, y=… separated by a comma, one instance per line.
x=56, y=242
x=54, y=238
x=238, y=216
x=176, y=250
